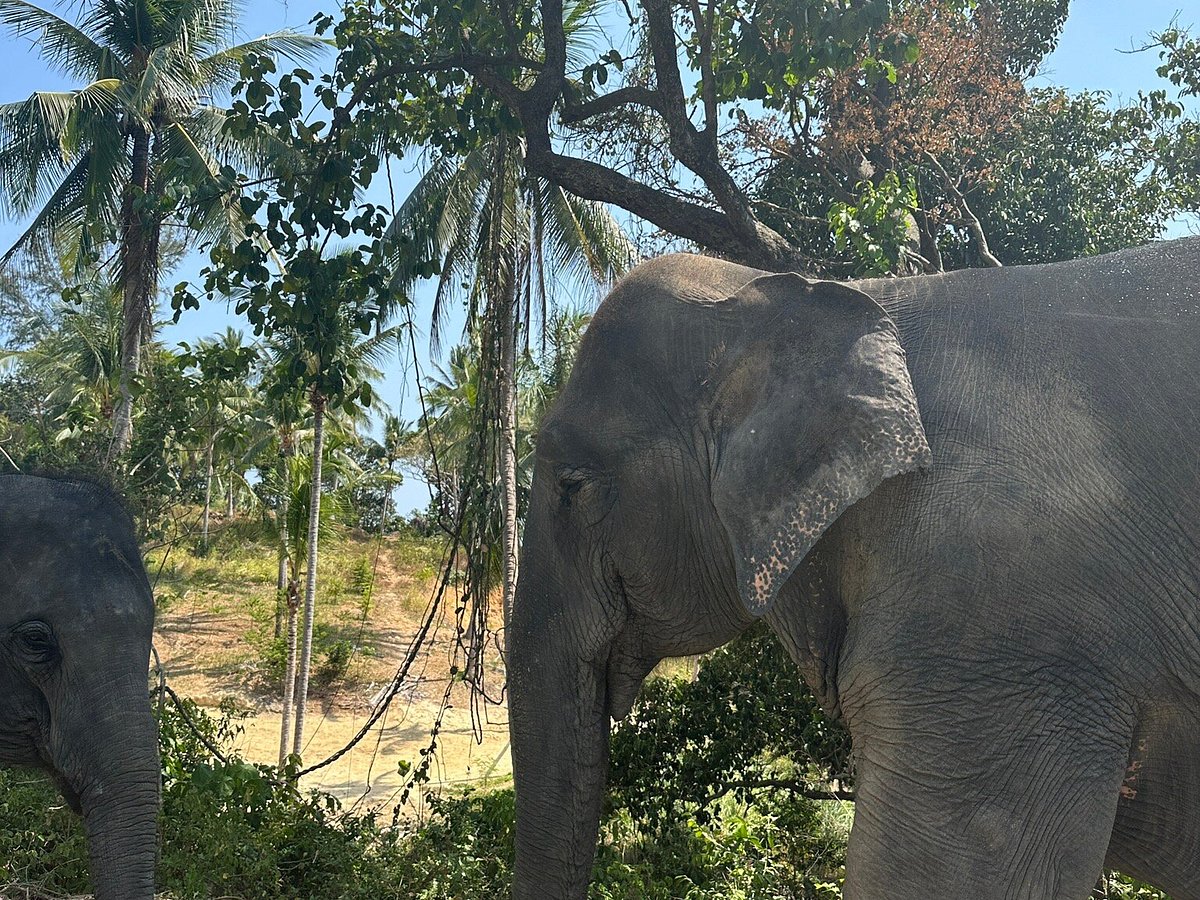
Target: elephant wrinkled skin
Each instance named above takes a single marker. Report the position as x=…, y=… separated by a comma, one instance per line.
x=76, y=617
x=968, y=504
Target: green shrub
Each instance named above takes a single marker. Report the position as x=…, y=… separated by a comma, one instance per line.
x=331, y=657
x=746, y=717
x=335, y=663
x=234, y=830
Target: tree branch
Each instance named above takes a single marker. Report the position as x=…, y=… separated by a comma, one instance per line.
x=708, y=87
x=606, y=103
x=548, y=86
x=970, y=220
x=796, y=787
x=696, y=150
x=709, y=228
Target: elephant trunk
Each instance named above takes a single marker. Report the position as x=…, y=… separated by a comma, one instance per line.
x=117, y=782
x=559, y=726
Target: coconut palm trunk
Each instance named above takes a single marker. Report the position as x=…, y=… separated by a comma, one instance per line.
x=281, y=584
x=140, y=232
x=508, y=450
x=310, y=585
x=289, y=675
x=288, y=594
x=208, y=480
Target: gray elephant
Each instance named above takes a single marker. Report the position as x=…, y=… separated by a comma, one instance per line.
x=968, y=505
x=76, y=617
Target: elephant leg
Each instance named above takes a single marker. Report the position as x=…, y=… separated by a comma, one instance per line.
x=969, y=800
x=1156, y=837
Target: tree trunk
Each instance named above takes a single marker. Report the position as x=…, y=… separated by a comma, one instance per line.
x=281, y=581
x=138, y=274
x=285, y=493
x=387, y=503
x=508, y=452
x=289, y=675
x=310, y=585
x=208, y=480
x=229, y=496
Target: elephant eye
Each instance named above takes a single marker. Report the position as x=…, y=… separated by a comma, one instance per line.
x=35, y=642
x=570, y=480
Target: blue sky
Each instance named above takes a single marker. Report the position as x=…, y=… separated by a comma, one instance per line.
x=1093, y=54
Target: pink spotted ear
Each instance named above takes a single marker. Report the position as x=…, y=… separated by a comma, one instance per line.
x=813, y=407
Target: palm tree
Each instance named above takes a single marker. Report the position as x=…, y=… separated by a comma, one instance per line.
x=511, y=238
x=108, y=164
x=390, y=450
x=561, y=344
x=331, y=339
x=223, y=400
x=77, y=359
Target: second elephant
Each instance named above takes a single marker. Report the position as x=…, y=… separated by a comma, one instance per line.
x=968, y=504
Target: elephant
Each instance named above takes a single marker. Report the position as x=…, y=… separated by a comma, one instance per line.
x=968, y=504
x=76, y=616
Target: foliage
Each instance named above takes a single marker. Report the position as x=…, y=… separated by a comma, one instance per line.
x=332, y=655
x=1179, y=52
x=746, y=718
x=1001, y=172
x=1078, y=176
x=875, y=229
x=63, y=391
x=64, y=155
x=113, y=165
x=280, y=273
x=640, y=125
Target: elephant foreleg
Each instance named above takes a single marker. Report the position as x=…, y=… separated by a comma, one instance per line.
x=1003, y=809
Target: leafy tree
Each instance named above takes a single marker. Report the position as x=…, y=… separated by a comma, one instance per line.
x=1076, y=176
x=331, y=361
x=136, y=150
x=222, y=397
x=371, y=495
x=472, y=69
x=77, y=362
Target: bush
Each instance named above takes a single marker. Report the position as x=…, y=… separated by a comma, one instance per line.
x=331, y=658
x=746, y=717
x=235, y=830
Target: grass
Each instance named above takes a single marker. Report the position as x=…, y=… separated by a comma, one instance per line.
x=233, y=582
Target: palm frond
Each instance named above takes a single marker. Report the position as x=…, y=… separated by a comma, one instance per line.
x=69, y=48
x=197, y=27
x=221, y=69
x=585, y=35
x=32, y=157
x=214, y=214
x=62, y=210
x=584, y=240
x=168, y=77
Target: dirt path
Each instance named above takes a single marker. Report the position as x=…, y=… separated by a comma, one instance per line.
x=213, y=636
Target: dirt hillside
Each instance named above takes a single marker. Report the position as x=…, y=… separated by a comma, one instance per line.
x=215, y=638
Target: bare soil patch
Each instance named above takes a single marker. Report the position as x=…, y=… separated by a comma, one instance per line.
x=214, y=636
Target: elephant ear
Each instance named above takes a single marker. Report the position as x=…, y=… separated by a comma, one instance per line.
x=812, y=407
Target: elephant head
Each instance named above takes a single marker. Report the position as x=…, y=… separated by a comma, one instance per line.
x=710, y=432
x=76, y=617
